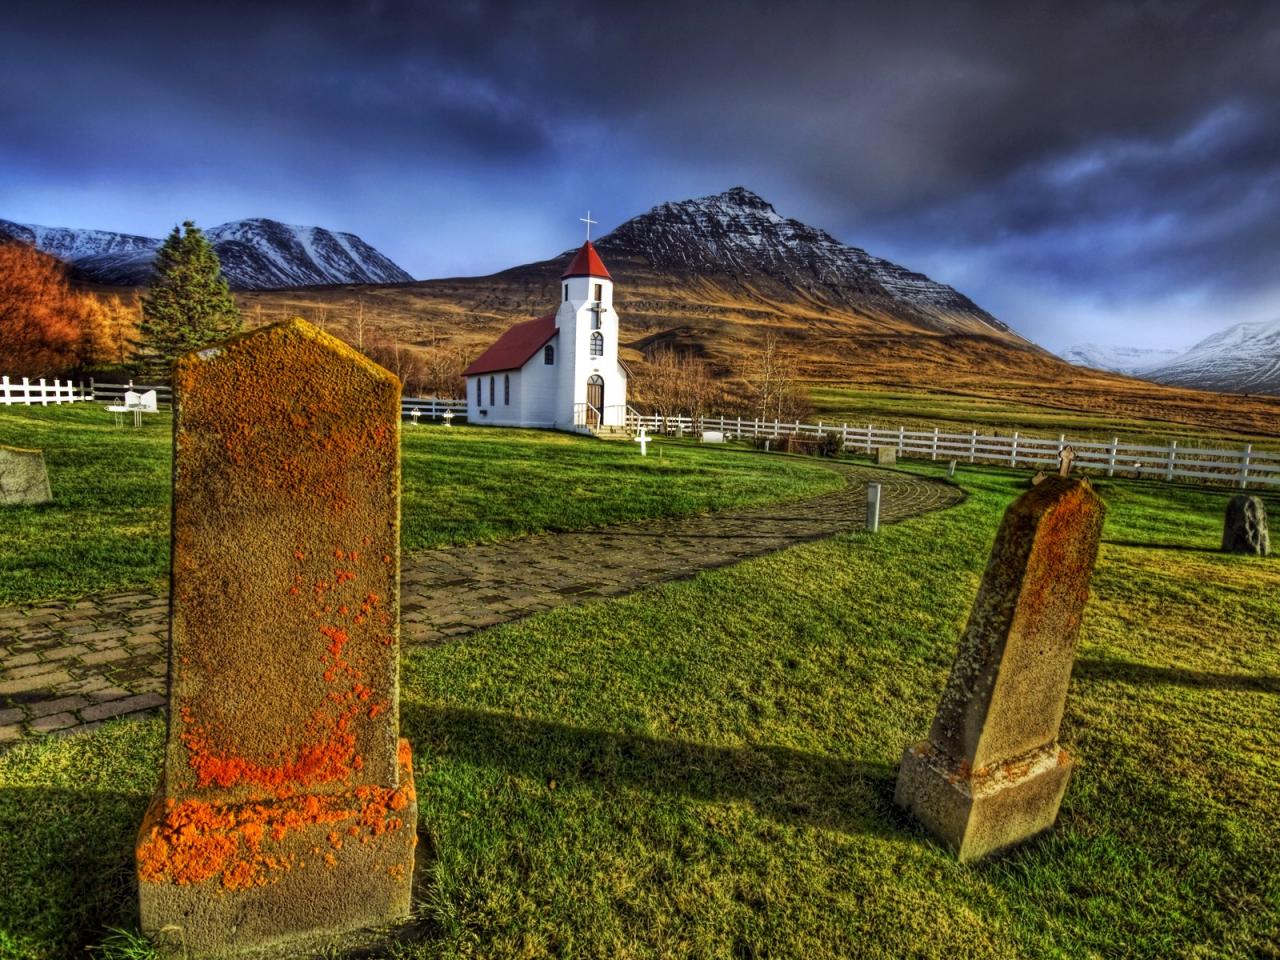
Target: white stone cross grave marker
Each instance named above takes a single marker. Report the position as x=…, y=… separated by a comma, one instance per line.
x=643, y=439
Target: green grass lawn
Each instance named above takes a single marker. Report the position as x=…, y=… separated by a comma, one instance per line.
x=962, y=412
x=706, y=768
x=108, y=527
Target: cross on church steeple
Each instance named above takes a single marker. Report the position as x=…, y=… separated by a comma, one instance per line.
x=588, y=221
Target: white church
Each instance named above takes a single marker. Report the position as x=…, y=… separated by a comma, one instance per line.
x=560, y=371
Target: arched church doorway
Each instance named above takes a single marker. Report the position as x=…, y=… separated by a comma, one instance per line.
x=595, y=400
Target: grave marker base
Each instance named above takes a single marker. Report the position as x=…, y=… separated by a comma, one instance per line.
x=977, y=813
x=276, y=878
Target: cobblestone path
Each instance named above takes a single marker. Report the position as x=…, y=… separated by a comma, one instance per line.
x=71, y=666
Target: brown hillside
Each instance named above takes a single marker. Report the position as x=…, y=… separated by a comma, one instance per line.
x=725, y=319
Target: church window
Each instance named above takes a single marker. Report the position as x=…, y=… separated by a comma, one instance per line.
x=599, y=292
x=597, y=344
x=548, y=354
x=506, y=389
x=491, y=391
x=566, y=293
x=595, y=319
x=479, y=395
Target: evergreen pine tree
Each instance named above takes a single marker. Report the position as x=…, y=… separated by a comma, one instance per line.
x=188, y=304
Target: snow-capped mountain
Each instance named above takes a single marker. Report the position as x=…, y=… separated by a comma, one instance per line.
x=256, y=254
x=1244, y=358
x=738, y=235
x=1127, y=360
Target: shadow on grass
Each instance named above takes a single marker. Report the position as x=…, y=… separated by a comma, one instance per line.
x=68, y=866
x=1140, y=673
x=1179, y=547
x=788, y=785
x=69, y=878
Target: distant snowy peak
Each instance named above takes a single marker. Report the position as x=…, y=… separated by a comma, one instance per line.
x=739, y=234
x=256, y=254
x=262, y=253
x=1127, y=360
x=1244, y=358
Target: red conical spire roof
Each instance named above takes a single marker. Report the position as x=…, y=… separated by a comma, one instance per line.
x=587, y=263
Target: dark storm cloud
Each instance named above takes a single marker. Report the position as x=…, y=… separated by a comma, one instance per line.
x=1115, y=152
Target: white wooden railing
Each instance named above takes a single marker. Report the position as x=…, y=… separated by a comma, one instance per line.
x=23, y=391
x=433, y=408
x=42, y=392
x=1243, y=466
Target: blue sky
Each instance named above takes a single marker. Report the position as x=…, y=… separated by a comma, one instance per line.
x=1105, y=172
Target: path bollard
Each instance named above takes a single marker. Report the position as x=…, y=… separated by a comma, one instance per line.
x=873, y=507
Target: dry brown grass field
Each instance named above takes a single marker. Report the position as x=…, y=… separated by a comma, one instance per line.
x=850, y=359
x=836, y=348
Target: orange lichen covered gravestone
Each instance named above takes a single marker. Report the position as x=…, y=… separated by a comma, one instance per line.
x=287, y=811
x=992, y=772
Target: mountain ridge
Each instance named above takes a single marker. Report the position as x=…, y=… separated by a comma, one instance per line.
x=737, y=233
x=256, y=253
x=1131, y=361
x=1241, y=358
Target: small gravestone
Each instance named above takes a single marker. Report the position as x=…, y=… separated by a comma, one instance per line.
x=1065, y=456
x=713, y=436
x=1039, y=478
x=951, y=468
x=992, y=773
x=886, y=456
x=286, y=813
x=24, y=481
x=1245, y=528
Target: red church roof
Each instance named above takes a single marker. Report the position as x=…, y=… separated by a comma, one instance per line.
x=586, y=264
x=514, y=348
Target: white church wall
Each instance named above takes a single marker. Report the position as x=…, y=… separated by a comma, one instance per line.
x=539, y=385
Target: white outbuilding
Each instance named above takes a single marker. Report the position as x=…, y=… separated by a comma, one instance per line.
x=559, y=371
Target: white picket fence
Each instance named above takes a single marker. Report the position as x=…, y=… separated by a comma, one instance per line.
x=1243, y=466
x=65, y=391
x=42, y=392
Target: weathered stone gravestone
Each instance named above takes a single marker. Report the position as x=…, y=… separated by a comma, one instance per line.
x=1245, y=528
x=1065, y=456
x=24, y=481
x=286, y=813
x=951, y=468
x=886, y=456
x=992, y=773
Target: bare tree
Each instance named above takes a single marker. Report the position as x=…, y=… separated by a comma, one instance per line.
x=676, y=383
x=359, y=324
x=400, y=359
x=773, y=388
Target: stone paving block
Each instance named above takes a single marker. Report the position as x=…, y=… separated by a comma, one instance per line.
x=112, y=633
x=105, y=694
x=56, y=721
x=105, y=656
x=114, y=708
x=58, y=652
x=59, y=705
x=37, y=682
